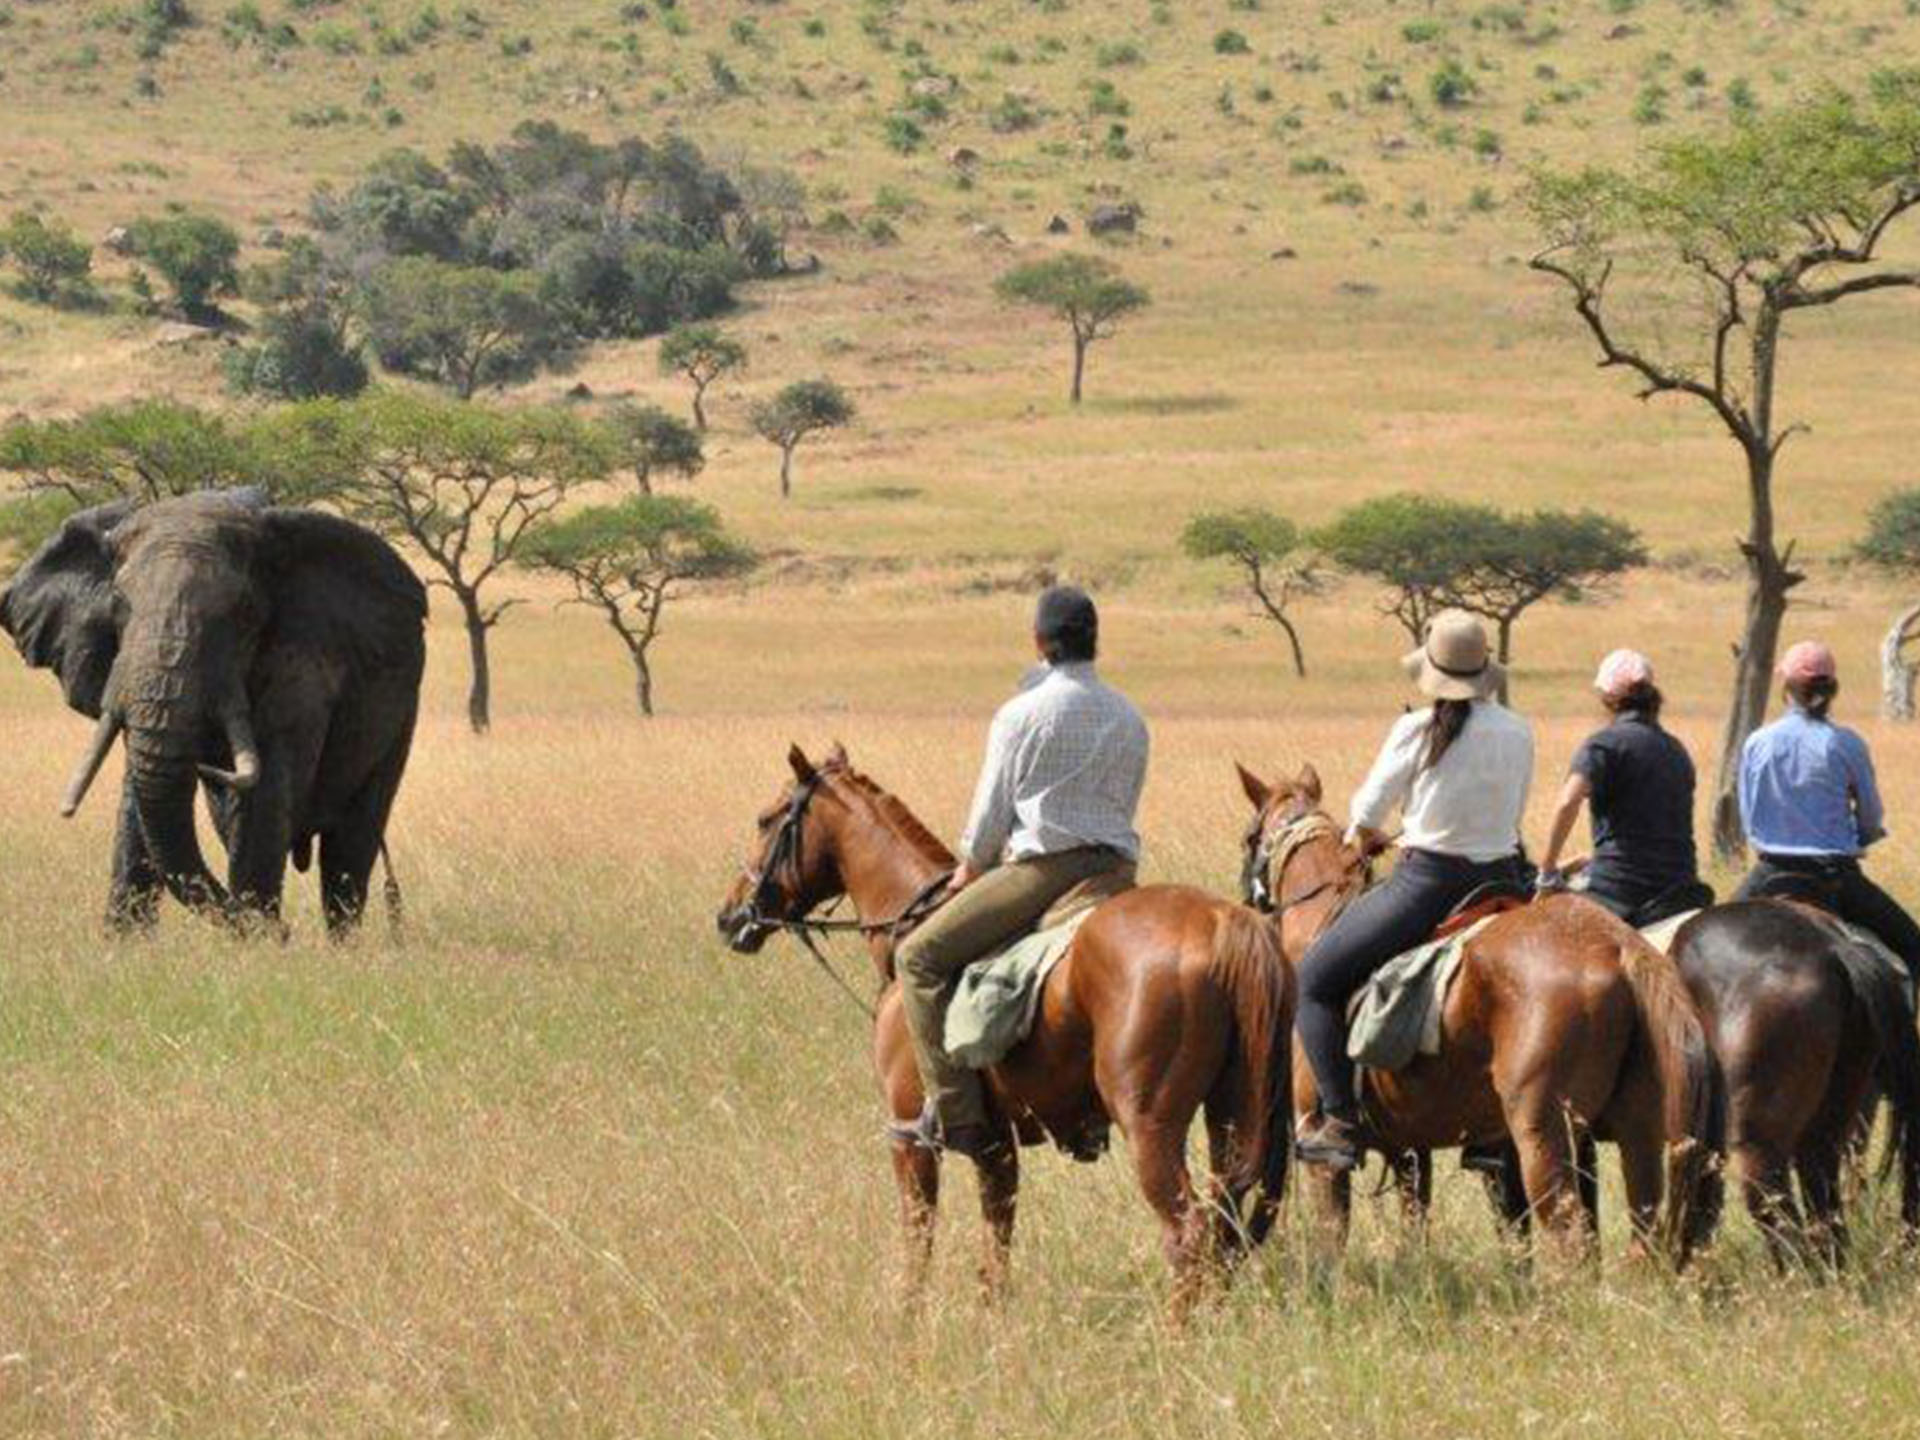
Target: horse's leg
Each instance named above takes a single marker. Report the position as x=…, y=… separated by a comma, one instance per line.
x=1587, y=1167
x=1768, y=1188
x=1159, y=1146
x=1225, y=1203
x=1413, y=1182
x=1818, y=1165
x=1507, y=1192
x=1643, y=1153
x=1542, y=1133
x=999, y=1191
x=916, y=1171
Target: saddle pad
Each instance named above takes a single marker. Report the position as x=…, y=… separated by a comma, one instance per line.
x=993, y=1007
x=1660, y=934
x=1396, y=1015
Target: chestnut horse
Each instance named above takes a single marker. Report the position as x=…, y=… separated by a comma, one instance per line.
x=1804, y=1024
x=1561, y=1024
x=1168, y=1002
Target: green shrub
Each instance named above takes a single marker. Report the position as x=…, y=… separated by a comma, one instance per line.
x=879, y=230
x=1482, y=200
x=1231, y=42
x=1104, y=99
x=54, y=263
x=1313, y=165
x=1422, y=32
x=903, y=133
x=1348, y=192
x=299, y=356
x=1451, y=86
x=1116, y=53
x=1650, y=105
x=336, y=39
x=1486, y=144
x=815, y=28
x=1740, y=97
x=195, y=255
x=1002, y=55
x=1013, y=112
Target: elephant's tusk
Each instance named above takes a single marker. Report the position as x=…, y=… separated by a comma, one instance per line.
x=246, y=758
x=104, y=734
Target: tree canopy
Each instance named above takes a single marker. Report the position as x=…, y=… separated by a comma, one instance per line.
x=196, y=255
x=53, y=262
x=797, y=411
x=464, y=325
x=702, y=353
x=1742, y=227
x=1271, y=554
x=651, y=441
x=1087, y=291
x=627, y=560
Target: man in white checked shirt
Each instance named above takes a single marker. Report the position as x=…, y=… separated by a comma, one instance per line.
x=1052, y=822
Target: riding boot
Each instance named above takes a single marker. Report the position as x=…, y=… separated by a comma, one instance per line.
x=1333, y=1138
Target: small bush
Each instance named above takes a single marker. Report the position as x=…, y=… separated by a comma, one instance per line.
x=1486, y=144
x=1422, y=32
x=336, y=39
x=195, y=254
x=1348, y=192
x=1451, y=86
x=1482, y=201
x=1231, y=42
x=879, y=230
x=1313, y=165
x=298, y=357
x=815, y=28
x=1650, y=105
x=1740, y=97
x=1013, y=112
x=1104, y=99
x=1002, y=55
x=903, y=134
x=53, y=262
x=1117, y=53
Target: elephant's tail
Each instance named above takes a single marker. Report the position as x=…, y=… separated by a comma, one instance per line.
x=396, y=906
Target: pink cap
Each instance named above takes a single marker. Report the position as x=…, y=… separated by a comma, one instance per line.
x=1809, y=660
x=1621, y=671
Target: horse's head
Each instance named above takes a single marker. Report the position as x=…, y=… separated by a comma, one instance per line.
x=793, y=868
x=1286, y=818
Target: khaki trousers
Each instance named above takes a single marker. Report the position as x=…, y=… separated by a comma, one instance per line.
x=1005, y=903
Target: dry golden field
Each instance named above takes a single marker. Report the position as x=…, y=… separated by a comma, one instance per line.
x=561, y=1166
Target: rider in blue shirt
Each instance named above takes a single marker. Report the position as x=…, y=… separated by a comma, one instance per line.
x=1811, y=807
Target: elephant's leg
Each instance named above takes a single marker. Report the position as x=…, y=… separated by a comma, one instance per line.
x=258, y=832
x=349, y=848
x=133, y=895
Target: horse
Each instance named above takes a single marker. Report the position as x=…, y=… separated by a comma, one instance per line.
x=1562, y=1026
x=1804, y=1024
x=1168, y=1002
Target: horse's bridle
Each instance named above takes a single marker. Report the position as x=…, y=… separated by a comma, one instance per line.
x=1269, y=852
x=764, y=903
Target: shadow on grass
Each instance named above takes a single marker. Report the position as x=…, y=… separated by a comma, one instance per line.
x=1205, y=403
x=883, y=492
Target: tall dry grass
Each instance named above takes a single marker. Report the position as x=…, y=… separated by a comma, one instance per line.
x=559, y=1165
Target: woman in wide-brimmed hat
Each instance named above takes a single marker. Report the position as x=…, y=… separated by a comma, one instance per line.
x=1637, y=782
x=1458, y=771
x=1811, y=806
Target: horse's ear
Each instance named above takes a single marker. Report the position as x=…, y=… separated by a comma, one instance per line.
x=1307, y=782
x=837, y=755
x=803, y=770
x=1258, y=791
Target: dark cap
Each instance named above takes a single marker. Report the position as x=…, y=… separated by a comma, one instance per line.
x=1065, y=612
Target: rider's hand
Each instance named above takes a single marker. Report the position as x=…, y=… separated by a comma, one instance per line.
x=1549, y=882
x=964, y=875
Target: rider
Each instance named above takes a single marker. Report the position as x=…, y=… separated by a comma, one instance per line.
x=1460, y=771
x=1811, y=807
x=1639, y=781
x=1053, y=813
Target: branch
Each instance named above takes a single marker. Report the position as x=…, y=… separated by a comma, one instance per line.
x=1588, y=296
x=1797, y=298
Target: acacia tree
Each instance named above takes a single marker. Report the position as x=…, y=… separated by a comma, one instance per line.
x=463, y=325
x=648, y=440
x=1272, y=559
x=796, y=412
x=1785, y=212
x=1087, y=291
x=1435, y=554
x=465, y=484
x=53, y=262
x=1892, y=542
x=627, y=560
x=702, y=353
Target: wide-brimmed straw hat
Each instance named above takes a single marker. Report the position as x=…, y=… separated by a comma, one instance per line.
x=1455, y=663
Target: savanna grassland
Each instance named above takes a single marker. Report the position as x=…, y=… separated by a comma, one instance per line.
x=561, y=1166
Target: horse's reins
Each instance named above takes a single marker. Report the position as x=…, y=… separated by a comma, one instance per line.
x=1270, y=854
x=784, y=852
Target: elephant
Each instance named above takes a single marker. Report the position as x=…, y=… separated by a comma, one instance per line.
x=273, y=654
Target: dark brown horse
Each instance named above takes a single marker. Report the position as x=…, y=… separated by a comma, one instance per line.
x=1562, y=1024
x=1804, y=1024
x=1168, y=1003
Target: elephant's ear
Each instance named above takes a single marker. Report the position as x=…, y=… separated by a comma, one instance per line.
x=339, y=588
x=59, y=606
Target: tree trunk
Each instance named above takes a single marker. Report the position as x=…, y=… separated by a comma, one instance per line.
x=643, y=684
x=643, y=477
x=699, y=409
x=1768, y=581
x=1896, y=671
x=1079, y=364
x=1293, y=639
x=786, y=472
x=480, y=691
x=1503, y=652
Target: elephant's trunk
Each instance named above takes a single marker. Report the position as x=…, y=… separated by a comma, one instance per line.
x=164, y=787
x=104, y=734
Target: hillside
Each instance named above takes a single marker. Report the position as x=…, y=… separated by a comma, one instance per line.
x=1329, y=234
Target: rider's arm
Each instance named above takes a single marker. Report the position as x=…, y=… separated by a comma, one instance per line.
x=1573, y=798
x=991, y=820
x=1387, y=784
x=1868, y=811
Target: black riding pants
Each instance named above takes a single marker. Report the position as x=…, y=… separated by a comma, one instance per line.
x=1423, y=890
x=1837, y=883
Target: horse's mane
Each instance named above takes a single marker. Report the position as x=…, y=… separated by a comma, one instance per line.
x=894, y=813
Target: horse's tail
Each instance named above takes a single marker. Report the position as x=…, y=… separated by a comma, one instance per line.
x=1258, y=1076
x=1695, y=1094
x=1888, y=1004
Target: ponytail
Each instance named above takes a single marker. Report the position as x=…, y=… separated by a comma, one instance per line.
x=1814, y=696
x=1449, y=720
